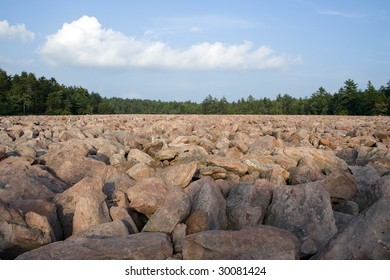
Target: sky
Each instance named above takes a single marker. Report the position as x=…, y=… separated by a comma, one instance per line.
x=186, y=50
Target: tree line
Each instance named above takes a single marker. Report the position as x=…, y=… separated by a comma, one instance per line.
x=24, y=94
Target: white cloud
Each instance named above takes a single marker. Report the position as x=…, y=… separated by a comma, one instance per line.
x=85, y=43
x=18, y=31
x=354, y=15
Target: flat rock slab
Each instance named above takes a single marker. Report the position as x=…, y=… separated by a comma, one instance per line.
x=251, y=243
x=140, y=246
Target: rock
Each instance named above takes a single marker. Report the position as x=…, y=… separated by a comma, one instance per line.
x=179, y=175
x=119, y=213
x=349, y=155
x=104, y=230
x=342, y=219
x=347, y=207
x=247, y=204
x=66, y=201
x=142, y=157
x=304, y=210
x=234, y=165
x=382, y=187
x=140, y=246
x=208, y=200
x=44, y=209
x=71, y=164
x=140, y=171
x=366, y=237
x=266, y=142
x=178, y=237
x=2, y=152
x=253, y=243
x=198, y=221
x=306, y=171
x=117, y=184
x=147, y=195
x=19, y=180
x=274, y=173
x=340, y=185
x=366, y=178
x=16, y=235
x=174, y=210
x=91, y=209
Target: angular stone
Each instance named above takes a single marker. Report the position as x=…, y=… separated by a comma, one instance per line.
x=91, y=209
x=247, y=204
x=19, y=180
x=147, y=195
x=179, y=175
x=340, y=185
x=175, y=208
x=140, y=246
x=119, y=213
x=304, y=210
x=250, y=243
x=234, y=165
x=104, y=230
x=366, y=237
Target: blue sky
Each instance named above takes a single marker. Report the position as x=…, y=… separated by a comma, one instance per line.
x=186, y=50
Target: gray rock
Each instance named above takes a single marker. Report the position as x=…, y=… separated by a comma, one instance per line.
x=304, y=210
x=365, y=237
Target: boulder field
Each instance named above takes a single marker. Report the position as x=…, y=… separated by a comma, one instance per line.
x=194, y=187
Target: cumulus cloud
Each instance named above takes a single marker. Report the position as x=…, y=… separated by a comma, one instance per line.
x=18, y=31
x=85, y=43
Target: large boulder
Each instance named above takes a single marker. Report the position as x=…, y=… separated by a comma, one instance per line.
x=208, y=202
x=174, y=210
x=234, y=165
x=66, y=201
x=90, y=210
x=104, y=230
x=364, y=237
x=250, y=243
x=147, y=195
x=247, y=204
x=140, y=246
x=21, y=233
x=180, y=174
x=70, y=162
x=19, y=180
x=340, y=185
x=304, y=210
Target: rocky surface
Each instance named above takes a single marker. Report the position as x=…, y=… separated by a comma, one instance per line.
x=199, y=187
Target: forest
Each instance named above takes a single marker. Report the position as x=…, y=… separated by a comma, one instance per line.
x=25, y=94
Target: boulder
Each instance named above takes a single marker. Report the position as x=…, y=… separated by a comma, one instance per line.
x=178, y=236
x=17, y=236
x=70, y=162
x=104, y=230
x=2, y=152
x=230, y=164
x=19, y=180
x=147, y=195
x=142, y=157
x=366, y=237
x=306, y=171
x=340, y=185
x=366, y=177
x=90, y=209
x=140, y=171
x=207, y=199
x=179, y=175
x=250, y=243
x=304, y=210
x=66, y=201
x=140, y=246
x=119, y=213
x=44, y=209
x=174, y=210
x=247, y=204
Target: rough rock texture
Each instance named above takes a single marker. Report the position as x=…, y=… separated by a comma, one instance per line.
x=366, y=237
x=63, y=176
x=140, y=246
x=208, y=200
x=20, y=180
x=304, y=210
x=174, y=210
x=251, y=243
x=247, y=204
